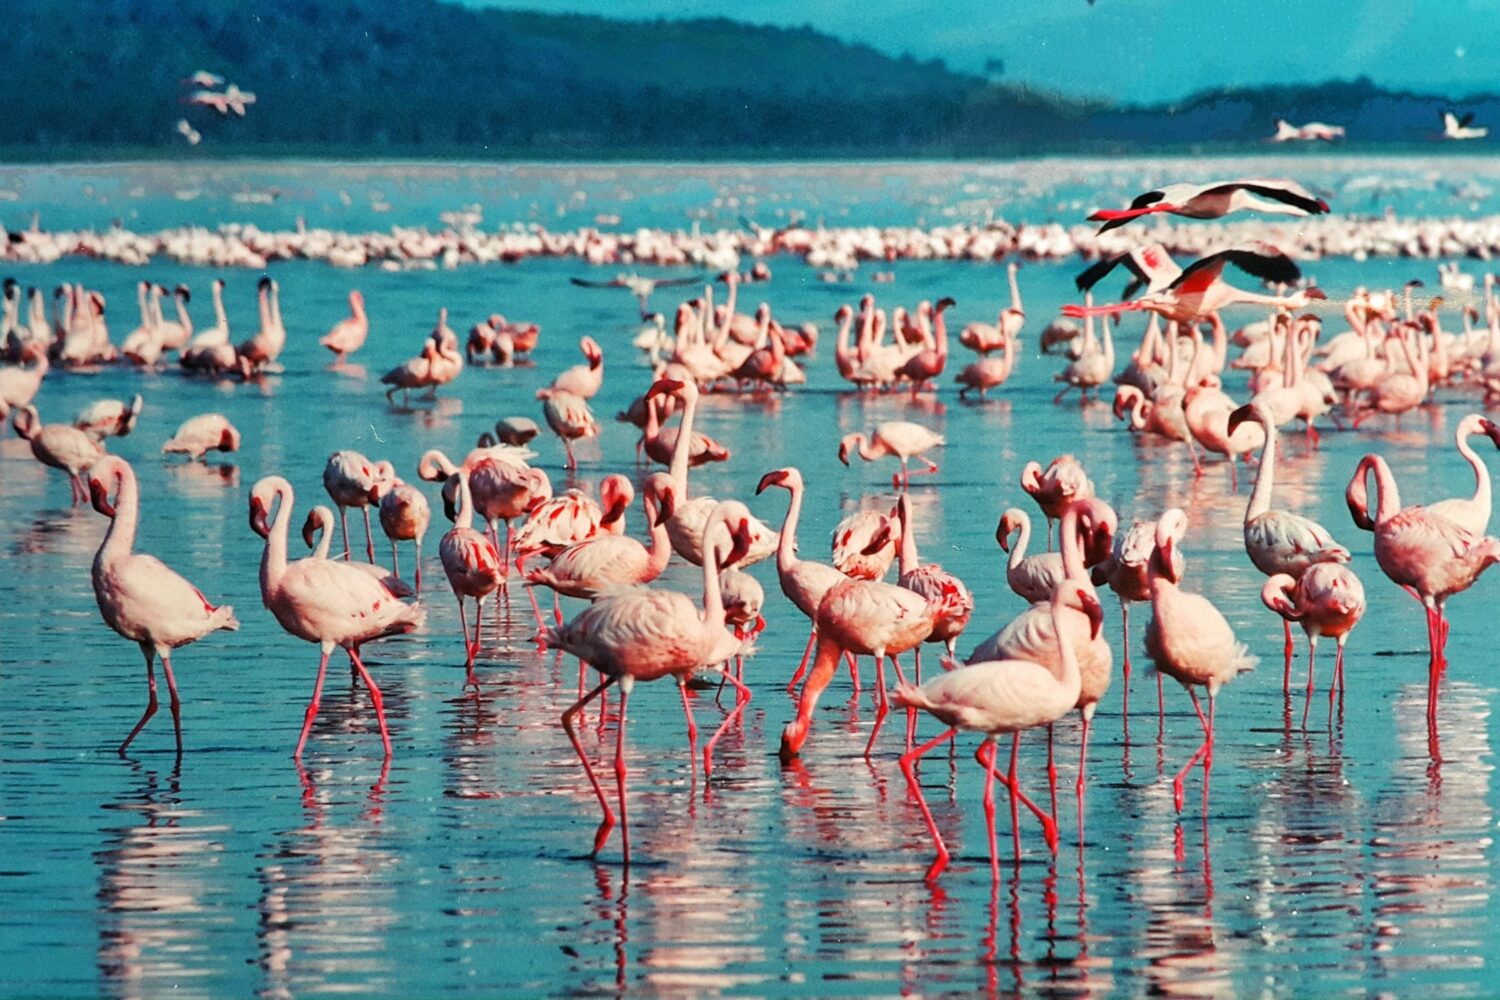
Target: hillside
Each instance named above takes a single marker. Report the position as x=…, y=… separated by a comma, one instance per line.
x=420, y=77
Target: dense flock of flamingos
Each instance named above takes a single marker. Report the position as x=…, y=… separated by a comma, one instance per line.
x=1051, y=660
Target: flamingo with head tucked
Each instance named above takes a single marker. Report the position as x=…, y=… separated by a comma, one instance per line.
x=352, y=480
x=1055, y=488
x=1328, y=600
x=139, y=596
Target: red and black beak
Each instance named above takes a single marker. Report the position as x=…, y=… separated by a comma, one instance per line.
x=770, y=479
x=881, y=539
x=1238, y=417
x=258, y=522
x=739, y=543
x=1491, y=430
x=99, y=497
x=663, y=387
x=666, y=506
x=1092, y=608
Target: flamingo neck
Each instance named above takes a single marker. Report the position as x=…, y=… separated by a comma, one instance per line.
x=908, y=554
x=680, y=453
x=786, y=547
x=1387, y=495
x=1265, y=475
x=713, y=601
x=660, y=549
x=220, y=319
x=1068, y=672
x=119, y=538
x=1070, y=544
x=866, y=452
x=465, y=518
x=325, y=531
x=1018, y=550
x=273, y=559
x=1481, y=473
x=1015, y=289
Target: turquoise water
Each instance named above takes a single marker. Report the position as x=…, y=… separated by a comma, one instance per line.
x=1338, y=861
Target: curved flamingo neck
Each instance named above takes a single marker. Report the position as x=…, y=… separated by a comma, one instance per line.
x=1068, y=672
x=1387, y=495
x=909, y=560
x=273, y=559
x=1265, y=475
x=1481, y=473
x=465, y=518
x=1069, y=543
x=1018, y=550
x=220, y=318
x=324, y=518
x=786, y=547
x=119, y=538
x=680, y=453
x=866, y=452
x=713, y=600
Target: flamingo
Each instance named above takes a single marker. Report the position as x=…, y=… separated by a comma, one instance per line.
x=266, y=345
x=865, y=544
x=996, y=697
x=1462, y=126
x=931, y=581
x=569, y=417
x=19, y=384
x=1217, y=199
x=317, y=534
x=1033, y=578
x=584, y=380
x=413, y=373
x=984, y=338
x=404, y=516
x=1427, y=555
x=352, y=480
x=472, y=562
x=1189, y=640
x=1094, y=364
x=60, y=446
x=348, y=334
x=805, y=583
x=1126, y=573
x=1472, y=513
x=899, y=439
x=201, y=434
x=323, y=600
x=926, y=365
x=1055, y=488
x=553, y=525
x=644, y=635
x=139, y=596
x=988, y=373
x=109, y=417
x=1328, y=600
x=660, y=442
x=1278, y=541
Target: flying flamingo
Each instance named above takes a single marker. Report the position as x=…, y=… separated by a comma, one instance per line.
x=1279, y=541
x=644, y=635
x=201, y=434
x=404, y=516
x=1328, y=600
x=60, y=446
x=805, y=583
x=899, y=439
x=472, y=562
x=995, y=697
x=1426, y=554
x=352, y=480
x=323, y=600
x=348, y=334
x=1189, y=641
x=139, y=596
x=1055, y=488
x=1216, y=200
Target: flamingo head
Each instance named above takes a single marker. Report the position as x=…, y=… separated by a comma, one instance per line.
x=261, y=496
x=882, y=537
x=486, y=440
x=103, y=475
x=264, y=283
x=665, y=387
x=1170, y=531
x=1491, y=430
x=1088, y=603
x=777, y=477
x=229, y=439
x=181, y=291
x=847, y=445
x=663, y=493
x=312, y=526
x=1239, y=416
x=1276, y=595
x=1010, y=522
x=26, y=421
x=434, y=467
x=1031, y=478
x=591, y=351
x=615, y=494
x=844, y=312
x=450, y=493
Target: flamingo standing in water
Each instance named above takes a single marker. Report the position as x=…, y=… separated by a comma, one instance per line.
x=317, y=533
x=404, y=516
x=1189, y=641
x=1328, y=600
x=348, y=334
x=1427, y=555
x=644, y=635
x=1033, y=578
x=984, y=338
x=805, y=583
x=1055, y=488
x=139, y=596
x=569, y=417
x=472, y=562
x=899, y=439
x=1278, y=541
x=931, y=581
x=996, y=697
x=1126, y=571
x=323, y=600
x=60, y=446
x=197, y=436
x=352, y=480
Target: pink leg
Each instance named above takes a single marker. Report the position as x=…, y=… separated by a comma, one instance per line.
x=395, y=560
x=882, y=706
x=1015, y=786
x=1202, y=753
x=986, y=757
x=312, y=706
x=1051, y=771
x=1337, y=683
x=379, y=702
x=510, y=537
x=1286, y=653
x=621, y=772
x=853, y=672
x=369, y=538
x=608, y=822
x=741, y=699
x=1125, y=667
x=417, y=581
x=687, y=710
x=166, y=666
x=812, y=637
x=473, y=652
x=908, y=760
x=1312, y=653
x=572, y=462
x=1083, y=763
x=344, y=529
x=150, y=652
x=536, y=608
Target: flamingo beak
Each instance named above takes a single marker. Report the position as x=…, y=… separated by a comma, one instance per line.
x=1492, y=430
x=666, y=506
x=1315, y=294
x=1238, y=417
x=663, y=387
x=881, y=539
x=1002, y=534
x=258, y=523
x=309, y=528
x=844, y=453
x=740, y=547
x=1094, y=610
x=450, y=509
x=770, y=479
x=99, y=497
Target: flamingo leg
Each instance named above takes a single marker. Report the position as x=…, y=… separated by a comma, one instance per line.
x=911, y=713
x=1312, y=654
x=344, y=529
x=1433, y=668
x=1083, y=763
x=608, y=823
x=1125, y=667
x=1286, y=652
x=369, y=538
x=1203, y=753
x=986, y=757
x=812, y=637
x=908, y=761
x=621, y=772
x=150, y=652
x=853, y=672
x=375, y=698
x=572, y=462
x=1051, y=771
x=464, y=624
x=1337, y=682
x=474, y=651
x=1015, y=786
x=417, y=582
x=510, y=538
x=741, y=699
x=692, y=724
x=536, y=608
x=395, y=559
x=312, y=706
x=176, y=702
x=882, y=706
x=825, y=662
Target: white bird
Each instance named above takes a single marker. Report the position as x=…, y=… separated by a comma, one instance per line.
x=899, y=439
x=1459, y=127
x=203, y=433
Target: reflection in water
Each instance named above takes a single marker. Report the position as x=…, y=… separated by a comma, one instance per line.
x=154, y=870
x=326, y=904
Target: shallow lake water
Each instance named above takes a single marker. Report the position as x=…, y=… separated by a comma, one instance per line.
x=1341, y=860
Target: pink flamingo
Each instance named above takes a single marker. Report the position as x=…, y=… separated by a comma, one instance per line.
x=1427, y=555
x=1473, y=512
x=1328, y=600
x=1279, y=541
x=323, y=600
x=854, y=551
x=202, y=434
x=805, y=583
x=1033, y=578
x=1055, y=488
x=59, y=446
x=995, y=697
x=472, y=562
x=1189, y=641
x=899, y=439
x=1126, y=573
x=404, y=517
x=554, y=524
x=569, y=417
x=583, y=381
x=983, y=337
x=931, y=581
x=644, y=635
x=139, y=596
x=1216, y=200
x=352, y=480
x=317, y=534
x=348, y=334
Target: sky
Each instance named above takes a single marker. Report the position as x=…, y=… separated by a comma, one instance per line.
x=1141, y=50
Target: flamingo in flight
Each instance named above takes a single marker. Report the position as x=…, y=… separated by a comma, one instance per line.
x=139, y=596
x=1215, y=200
